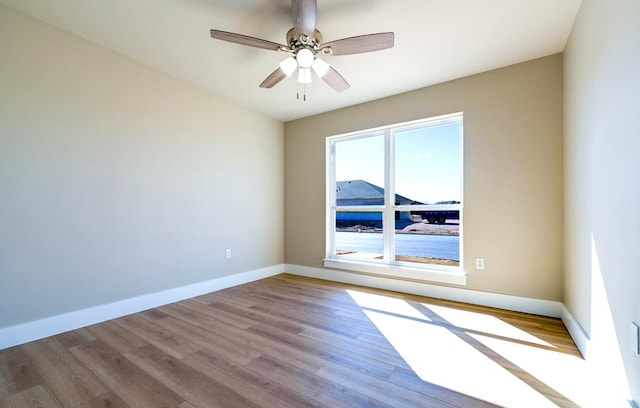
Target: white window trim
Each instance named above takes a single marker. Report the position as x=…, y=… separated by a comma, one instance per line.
x=454, y=276
x=401, y=270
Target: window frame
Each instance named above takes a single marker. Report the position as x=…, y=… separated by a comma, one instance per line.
x=388, y=266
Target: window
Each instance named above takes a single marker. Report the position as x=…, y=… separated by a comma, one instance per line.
x=394, y=200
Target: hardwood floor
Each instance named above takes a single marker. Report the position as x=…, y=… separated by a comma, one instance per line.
x=289, y=341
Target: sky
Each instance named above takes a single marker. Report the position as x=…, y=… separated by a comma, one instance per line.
x=427, y=162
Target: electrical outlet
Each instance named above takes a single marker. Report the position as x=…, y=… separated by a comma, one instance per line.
x=479, y=263
x=227, y=254
x=635, y=338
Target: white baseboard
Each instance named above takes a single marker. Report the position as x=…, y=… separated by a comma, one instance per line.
x=578, y=334
x=508, y=302
x=29, y=331
x=34, y=330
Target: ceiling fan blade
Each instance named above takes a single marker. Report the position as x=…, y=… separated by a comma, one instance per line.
x=335, y=80
x=303, y=13
x=273, y=79
x=359, y=44
x=247, y=40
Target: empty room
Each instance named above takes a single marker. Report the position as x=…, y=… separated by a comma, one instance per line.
x=332, y=203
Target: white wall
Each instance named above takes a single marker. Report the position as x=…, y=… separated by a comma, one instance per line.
x=602, y=167
x=118, y=181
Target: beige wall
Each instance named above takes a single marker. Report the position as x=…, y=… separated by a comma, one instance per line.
x=602, y=132
x=118, y=181
x=513, y=200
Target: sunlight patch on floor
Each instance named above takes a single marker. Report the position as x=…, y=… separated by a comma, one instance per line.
x=484, y=323
x=386, y=304
x=439, y=356
x=565, y=374
x=481, y=355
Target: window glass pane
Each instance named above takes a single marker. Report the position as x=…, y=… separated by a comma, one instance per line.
x=359, y=235
x=360, y=171
x=428, y=163
x=434, y=244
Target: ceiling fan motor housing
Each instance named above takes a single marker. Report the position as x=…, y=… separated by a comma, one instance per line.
x=302, y=41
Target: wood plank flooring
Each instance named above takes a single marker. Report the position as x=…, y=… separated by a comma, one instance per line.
x=284, y=341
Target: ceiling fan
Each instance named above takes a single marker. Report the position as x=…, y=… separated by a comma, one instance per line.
x=305, y=43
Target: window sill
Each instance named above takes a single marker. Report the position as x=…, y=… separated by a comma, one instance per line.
x=453, y=276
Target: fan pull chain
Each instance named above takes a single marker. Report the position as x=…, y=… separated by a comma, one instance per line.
x=304, y=92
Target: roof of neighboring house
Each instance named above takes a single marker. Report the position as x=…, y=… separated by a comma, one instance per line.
x=356, y=190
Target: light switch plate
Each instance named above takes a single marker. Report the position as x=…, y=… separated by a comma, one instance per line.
x=635, y=338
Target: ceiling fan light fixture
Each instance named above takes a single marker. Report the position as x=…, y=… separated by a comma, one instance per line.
x=304, y=75
x=288, y=66
x=305, y=58
x=320, y=67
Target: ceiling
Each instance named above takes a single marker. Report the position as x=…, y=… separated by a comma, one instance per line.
x=435, y=41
